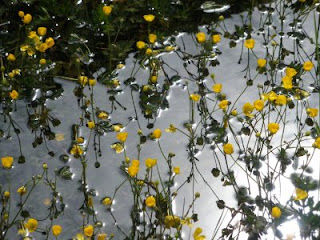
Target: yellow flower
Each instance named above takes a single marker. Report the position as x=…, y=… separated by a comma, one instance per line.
x=31, y=224
x=118, y=147
x=42, y=47
x=107, y=201
x=272, y=96
x=149, y=51
x=27, y=18
x=150, y=201
x=258, y=105
x=171, y=221
x=42, y=61
x=80, y=140
x=42, y=31
x=14, y=94
x=273, y=127
x=228, y=148
x=224, y=104
x=79, y=236
x=103, y=115
x=11, y=57
x=176, y=170
x=92, y=82
x=117, y=127
x=56, y=230
x=6, y=194
x=76, y=150
x=317, y=143
x=150, y=162
x=88, y=230
x=187, y=221
x=195, y=97
x=291, y=72
x=276, y=212
x=261, y=62
x=152, y=38
x=217, y=88
x=170, y=48
x=102, y=236
x=122, y=136
x=149, y=17
x=91, y=124
x=216, y=38
x=287, y=82
x=247, y=109
x=300, y=194
x=50, y=42
x=201, y=37
x=83, y=80
x=171, y=128
x=107, y=10
x=197, y=236
x=307, y=66
x=135, y=163
x=281, y=100
x=133, y=171
x=312, y=112
x=141, y=44
x=234, y=113
x=21, y=14
x=156, y=133
x=249, y=43
x=154, y=79
x=22, y=190
x=7, y=162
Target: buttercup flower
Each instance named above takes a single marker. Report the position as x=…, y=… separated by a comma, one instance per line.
x=249, y=43
x=107, y=10
x=76, y=151
x=216, y=38
x=150, y=201
x=312, y=112
x=152, y=38
x=149, y=51
x=258, y=105
x=133, y=170
x=92, y=82
x=317, y=143
x=150, y=162
x=42, y=31
x=107, y=201
x=287, y=82
x=31, y=224
x=21, y=14
x=27, y=18
x=201, y=37
x=176, y=170
x=272, y=96
x=247, y=109
x=122, y=136
x=307, y=66
x=197, y=234
x=91, y=124
x=228, y=148
x=276, y=212
x=6, y=194
x=149, y=17
x=300, y=194
x=195, y=97
x=14, y=94
x=224, y=104
x=141, y=44
x=102, y=236
x=56, y=230
x=273, y=128
x=22, y=190
x=88, y=230
x=291, y=72
x=281, y=100
x=11, y=57
x=7, y=162
x=42, y=61
x=261, y=62
x=171, y=221
x=156, y=133
x=217, y=88
x=118, y=147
